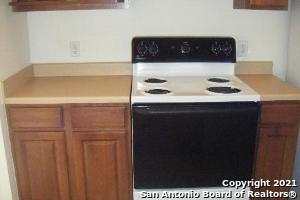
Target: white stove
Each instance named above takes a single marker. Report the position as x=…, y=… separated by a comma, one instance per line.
x=194, y=123
x=188, y=82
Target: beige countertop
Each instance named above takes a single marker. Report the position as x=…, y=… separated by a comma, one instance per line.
x=111, y=83
x=116, y=89
x=69, y=89
x=271, y=88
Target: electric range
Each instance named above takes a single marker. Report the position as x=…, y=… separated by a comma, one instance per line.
x=194, y=122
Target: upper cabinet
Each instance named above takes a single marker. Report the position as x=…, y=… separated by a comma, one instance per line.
x=261, y=4
x=38, y=5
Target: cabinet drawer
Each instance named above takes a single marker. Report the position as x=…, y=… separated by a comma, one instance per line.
x=36, y=117
x=98, y=117
x=280, y=113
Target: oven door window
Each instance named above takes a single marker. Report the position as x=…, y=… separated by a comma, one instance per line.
x=193, y=145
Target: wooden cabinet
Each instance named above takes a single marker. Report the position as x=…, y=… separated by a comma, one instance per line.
x=72, y=151
x=101, y=166
x=261, y=4
x=36, y=117
x=83, y=151
x=101, y=151
x=41, y=165
x=38, y=5
x=38, y=141
x=277, y=142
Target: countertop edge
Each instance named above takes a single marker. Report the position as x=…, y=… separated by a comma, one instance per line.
x=66, y=100
x=280, y=97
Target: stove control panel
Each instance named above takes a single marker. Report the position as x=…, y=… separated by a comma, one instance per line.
x=183, y=49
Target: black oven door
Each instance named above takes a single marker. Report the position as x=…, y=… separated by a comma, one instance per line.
x=193, y=145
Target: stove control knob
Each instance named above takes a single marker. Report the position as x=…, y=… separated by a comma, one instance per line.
x=142, y=48
x=153, y=48
x=227, y=49
x=216, y=48
x=185, y=48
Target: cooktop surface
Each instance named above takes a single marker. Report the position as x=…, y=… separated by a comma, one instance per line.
x=191, y=89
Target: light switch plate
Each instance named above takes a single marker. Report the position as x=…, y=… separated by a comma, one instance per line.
x=75, y=48
x=243, y=48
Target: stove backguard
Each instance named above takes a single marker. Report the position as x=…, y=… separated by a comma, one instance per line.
x=184, y=49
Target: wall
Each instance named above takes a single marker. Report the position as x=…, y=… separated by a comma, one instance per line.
x=14, y=51
x=293, y=70
x=14, y=55
x=7, y=182
x=105, y=35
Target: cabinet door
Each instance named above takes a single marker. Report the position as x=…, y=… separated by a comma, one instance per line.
x=101, y=166
x=41, y=165
x=40, y=1
x=276, y=154
x=269, y=3
x=103, y=1
x=36, y=5
x=261, y=4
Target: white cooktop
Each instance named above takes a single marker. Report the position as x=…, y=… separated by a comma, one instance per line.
x=188, y=83
x=190, y=89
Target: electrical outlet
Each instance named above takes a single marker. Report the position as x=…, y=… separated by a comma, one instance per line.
x=242, y=48
x=75, y=48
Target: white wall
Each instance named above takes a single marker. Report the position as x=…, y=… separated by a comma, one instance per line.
x=105, y=35
x=8, y=188
x=14, y=51
x=14, y=55
x=293, y=70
